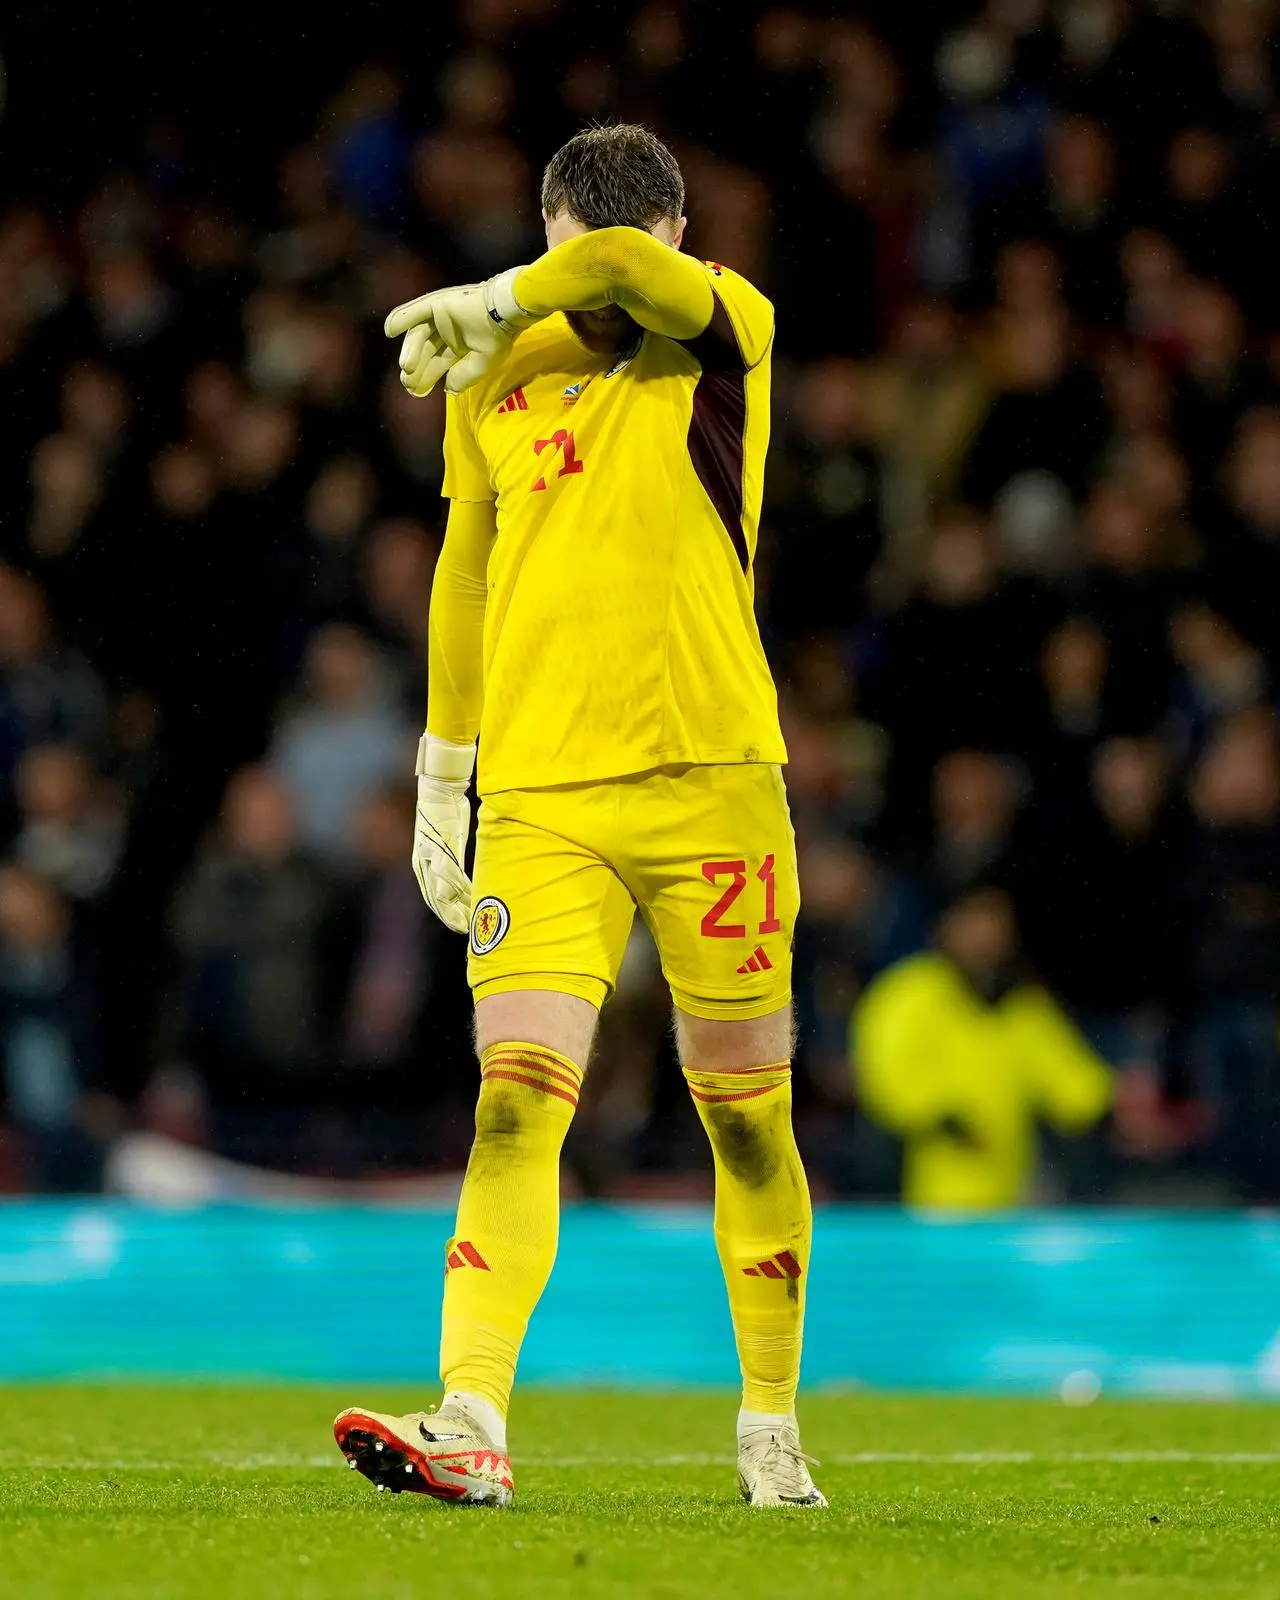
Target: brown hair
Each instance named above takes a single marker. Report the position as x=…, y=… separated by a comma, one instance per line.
x=619, y=176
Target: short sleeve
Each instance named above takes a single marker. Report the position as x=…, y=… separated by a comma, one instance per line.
x=466, y=472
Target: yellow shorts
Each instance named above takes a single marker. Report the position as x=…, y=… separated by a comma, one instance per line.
x=707, y=854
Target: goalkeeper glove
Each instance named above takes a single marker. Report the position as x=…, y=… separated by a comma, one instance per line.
x=460, y=331
x=441, y=827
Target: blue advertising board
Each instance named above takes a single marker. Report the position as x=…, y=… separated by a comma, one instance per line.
x=1031, y=1302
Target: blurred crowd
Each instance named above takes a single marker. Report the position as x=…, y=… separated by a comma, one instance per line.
x=1019, y=577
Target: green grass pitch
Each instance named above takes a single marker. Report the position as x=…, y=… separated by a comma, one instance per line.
x=180, y=1492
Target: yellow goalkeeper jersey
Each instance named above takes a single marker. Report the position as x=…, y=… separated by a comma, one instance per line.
x=620, y=633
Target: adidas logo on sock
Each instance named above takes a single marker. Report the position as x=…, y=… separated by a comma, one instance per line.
x=757, y=961
x=783, y=1265
x=464, y=1254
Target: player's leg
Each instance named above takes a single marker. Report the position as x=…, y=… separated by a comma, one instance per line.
x=739, y=1074
x=549, y=925
x=533, y=1046
x=723, y=917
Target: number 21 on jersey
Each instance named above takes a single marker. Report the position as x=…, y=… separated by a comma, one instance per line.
x=561, y=440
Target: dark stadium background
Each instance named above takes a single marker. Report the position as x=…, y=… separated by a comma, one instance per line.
x=1018, y=572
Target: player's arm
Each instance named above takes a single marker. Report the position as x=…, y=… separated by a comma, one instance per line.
x=455, y=683
x=662, y=290
x=455, y=642
x=455, y=695
x=457, y=334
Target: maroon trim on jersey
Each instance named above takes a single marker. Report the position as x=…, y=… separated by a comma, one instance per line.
x=718, y=424
x=717, y=347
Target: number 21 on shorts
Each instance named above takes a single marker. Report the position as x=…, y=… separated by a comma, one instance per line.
x=715, y=872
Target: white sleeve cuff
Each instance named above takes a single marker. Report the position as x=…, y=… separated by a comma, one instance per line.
x=450, y=763
x=504, y=308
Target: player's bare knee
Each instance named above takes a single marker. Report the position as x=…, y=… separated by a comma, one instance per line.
x=560, y=1022
x=734, y=1044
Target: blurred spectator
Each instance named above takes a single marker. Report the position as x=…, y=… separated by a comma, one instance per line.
x=411, y=463
x=963, y=1059
x=1074, y=669
x=837, y=756
x=254, y=933
x=925, y=397
x=1243, y=576
x=733, y=209
x=342, y=742
x=860, y=917
x=1077, y=211
x=66, y=489
x=957, y=659
x=1217, y=672
x=1103, y=902
x=992, y=133
x=1217, y=382
x=1138, y=395
x=975, y=808
x=1201, y=209
x=1230, y=894
x=471, y=181
x=48, y=1041
x=1047, y=414
x=1153, y=276
x=1130, y=588
x=96, y=406
x=399, y=561
x=48, y=693
x=391, y=979
x=370, y=144
x=339, y=504
x=828, y=508
x=72, y=832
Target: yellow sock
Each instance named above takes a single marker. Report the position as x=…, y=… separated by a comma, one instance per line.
x=500, y=1257
x=764, y=1224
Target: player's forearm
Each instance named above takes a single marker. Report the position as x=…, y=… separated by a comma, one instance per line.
x=661, y=289
x=455, y=681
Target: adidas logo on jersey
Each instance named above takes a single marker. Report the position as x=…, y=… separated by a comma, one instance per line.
x=757, y=961
x=783, y=1265
x=515, y=401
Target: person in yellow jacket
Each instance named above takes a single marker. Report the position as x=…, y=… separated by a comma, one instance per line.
x=962, y=1061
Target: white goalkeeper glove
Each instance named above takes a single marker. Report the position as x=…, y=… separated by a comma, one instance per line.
x=441, y=828
x=460, y=332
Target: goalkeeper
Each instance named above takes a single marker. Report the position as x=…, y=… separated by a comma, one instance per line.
x=592, y=626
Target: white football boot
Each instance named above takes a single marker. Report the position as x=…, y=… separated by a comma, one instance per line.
x=773, y=1470
x=440, y=1453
